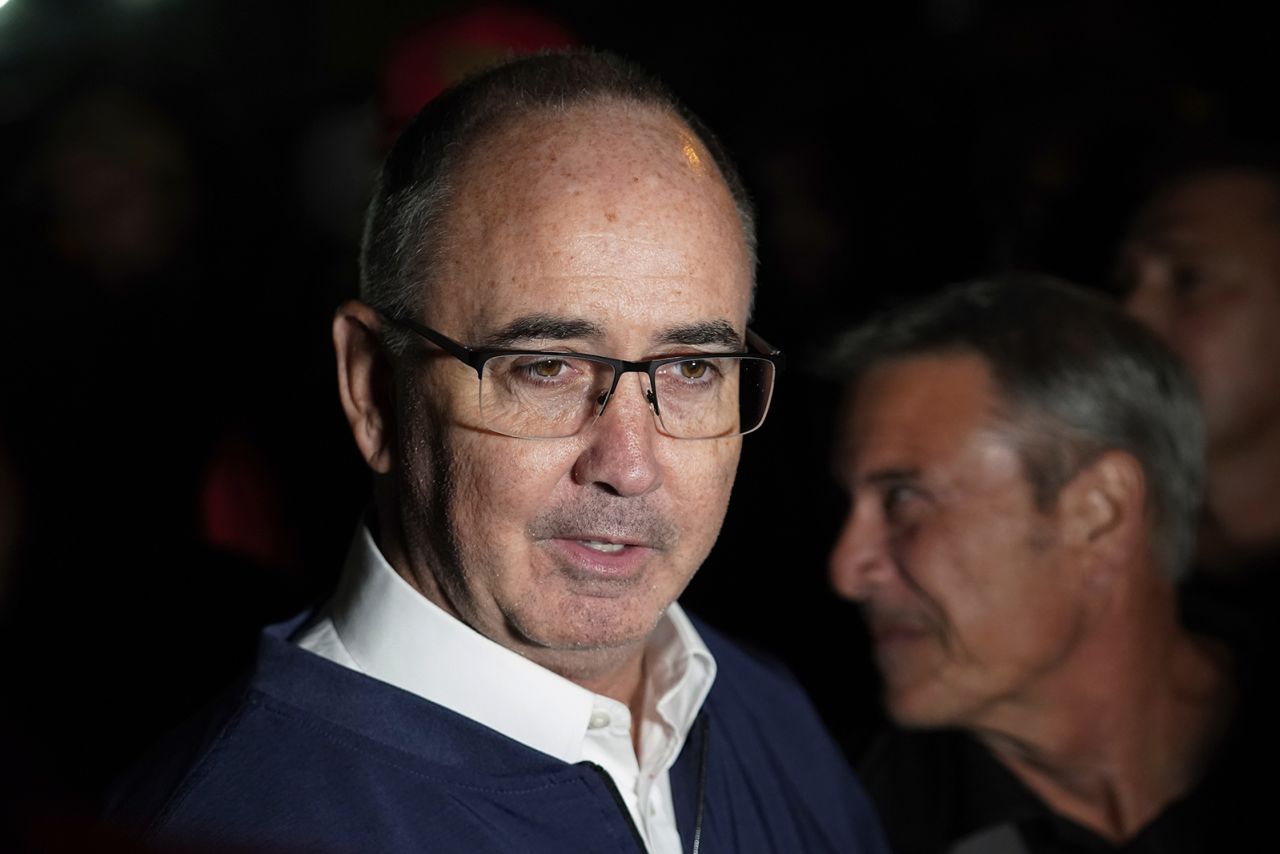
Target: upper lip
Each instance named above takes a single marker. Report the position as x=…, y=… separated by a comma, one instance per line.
x=635, y=524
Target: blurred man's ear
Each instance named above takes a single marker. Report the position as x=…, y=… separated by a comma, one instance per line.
x=365, y=383
x=1102, y=510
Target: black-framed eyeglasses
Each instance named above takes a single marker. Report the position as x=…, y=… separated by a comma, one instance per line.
x=547, y=394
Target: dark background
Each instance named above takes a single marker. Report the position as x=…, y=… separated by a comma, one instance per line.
x=890, y=147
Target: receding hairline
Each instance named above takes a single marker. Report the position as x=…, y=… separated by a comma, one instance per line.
x=403, y=243
x=467, y=172
x=550, y=121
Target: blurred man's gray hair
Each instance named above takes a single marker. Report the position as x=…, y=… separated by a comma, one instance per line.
x=1077, y=378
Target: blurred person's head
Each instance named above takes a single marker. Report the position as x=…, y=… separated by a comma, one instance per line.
x=1024, y=463
x=444, y=51
x=1201, y=267
x=558, y=206
x=119, y=187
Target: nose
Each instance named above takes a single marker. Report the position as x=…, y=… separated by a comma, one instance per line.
x=861, y=560
x=1149, y=302
x=620, y=455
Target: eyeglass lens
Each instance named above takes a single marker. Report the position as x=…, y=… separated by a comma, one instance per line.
x=539, y=396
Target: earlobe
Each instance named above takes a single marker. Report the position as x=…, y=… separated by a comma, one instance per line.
x=364, y=383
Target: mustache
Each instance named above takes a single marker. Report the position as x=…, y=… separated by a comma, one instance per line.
x=623, y=520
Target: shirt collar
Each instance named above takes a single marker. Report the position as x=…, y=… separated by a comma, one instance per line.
x=397, y=635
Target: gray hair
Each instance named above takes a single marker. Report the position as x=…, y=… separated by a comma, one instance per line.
x=1077, y=378
x=404, y=228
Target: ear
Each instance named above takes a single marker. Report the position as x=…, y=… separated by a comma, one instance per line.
x=365, y=383
x=1102, y=510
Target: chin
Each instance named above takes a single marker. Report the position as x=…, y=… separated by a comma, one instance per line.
x=916, y=710
x=585, y=623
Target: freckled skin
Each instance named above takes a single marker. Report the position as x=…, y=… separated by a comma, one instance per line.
x=960, y=575
x=622, y=232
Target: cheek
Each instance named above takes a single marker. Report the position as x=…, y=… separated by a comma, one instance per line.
x=976, y=587
x=698, y=477
x=1021, y=620
x=1234, y=358
x=1229, y=329
x=499, y=484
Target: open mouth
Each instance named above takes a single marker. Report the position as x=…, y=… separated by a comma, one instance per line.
x=592, y=558
x=602, y=546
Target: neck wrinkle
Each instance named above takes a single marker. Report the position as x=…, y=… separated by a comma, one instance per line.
x=1127, y=732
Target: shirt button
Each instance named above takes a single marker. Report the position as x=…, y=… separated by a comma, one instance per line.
x=599, y=720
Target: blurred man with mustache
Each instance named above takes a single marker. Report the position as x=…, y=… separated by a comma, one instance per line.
x=1025, y=467
x=549, y=372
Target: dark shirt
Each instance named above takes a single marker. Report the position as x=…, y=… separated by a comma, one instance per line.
x=937, y=790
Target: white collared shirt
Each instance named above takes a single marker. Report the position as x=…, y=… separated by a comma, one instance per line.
x=378, y=625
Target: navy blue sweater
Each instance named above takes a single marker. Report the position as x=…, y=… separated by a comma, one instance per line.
x=309, y=756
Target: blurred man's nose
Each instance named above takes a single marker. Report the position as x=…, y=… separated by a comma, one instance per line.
x=1148, y=299
x=860, y=560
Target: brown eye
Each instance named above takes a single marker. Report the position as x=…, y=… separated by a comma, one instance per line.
x=693, y=370
x=548, y=368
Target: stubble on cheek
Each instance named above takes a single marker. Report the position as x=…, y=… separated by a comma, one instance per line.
x=428, y=476
x=710, y=502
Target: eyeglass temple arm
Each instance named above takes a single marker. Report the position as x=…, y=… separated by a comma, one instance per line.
x=460, y=351
x=755, y=342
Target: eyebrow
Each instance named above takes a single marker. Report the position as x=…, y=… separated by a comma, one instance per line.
x=542, y=327
x=891, y=476
x=706, y=332
x=878, y=478
x=551, y=327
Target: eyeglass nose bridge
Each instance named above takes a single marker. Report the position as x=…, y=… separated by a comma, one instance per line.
x=650, y=396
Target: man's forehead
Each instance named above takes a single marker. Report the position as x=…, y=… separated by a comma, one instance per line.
x=545, y=326
x=636, y=169
x=606, y=217
x=908, y=410
x=1208, y=200
x=577, y=147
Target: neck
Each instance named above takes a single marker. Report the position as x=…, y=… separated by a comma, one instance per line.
x=1125, y=732
x=1242, y=494
x=614, y=673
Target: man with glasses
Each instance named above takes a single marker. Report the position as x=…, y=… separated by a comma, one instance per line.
x=549, y=373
